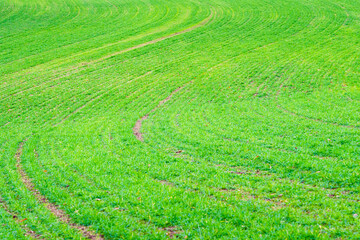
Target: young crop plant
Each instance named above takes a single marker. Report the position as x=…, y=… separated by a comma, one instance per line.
x=169, y=119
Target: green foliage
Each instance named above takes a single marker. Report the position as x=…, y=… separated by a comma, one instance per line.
x=261, y=142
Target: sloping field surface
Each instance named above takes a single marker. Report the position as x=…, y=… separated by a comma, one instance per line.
x=189, y=119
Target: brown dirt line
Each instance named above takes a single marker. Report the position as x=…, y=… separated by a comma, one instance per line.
x=137, y=128
x=205, y=21
x=59, y=213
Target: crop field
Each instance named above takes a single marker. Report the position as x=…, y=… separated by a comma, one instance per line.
x=179, y=119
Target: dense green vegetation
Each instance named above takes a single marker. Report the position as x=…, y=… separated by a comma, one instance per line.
x=250, y=118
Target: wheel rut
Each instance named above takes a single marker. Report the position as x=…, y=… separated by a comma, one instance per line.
x=59, y=213
x=137, y=128
x=202, y=23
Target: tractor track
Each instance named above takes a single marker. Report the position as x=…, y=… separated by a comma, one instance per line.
x=59, y=213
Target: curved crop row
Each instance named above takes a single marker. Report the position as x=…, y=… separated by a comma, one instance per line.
x=246, y=112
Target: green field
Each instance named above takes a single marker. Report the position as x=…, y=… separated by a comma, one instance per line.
x=189, y=119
